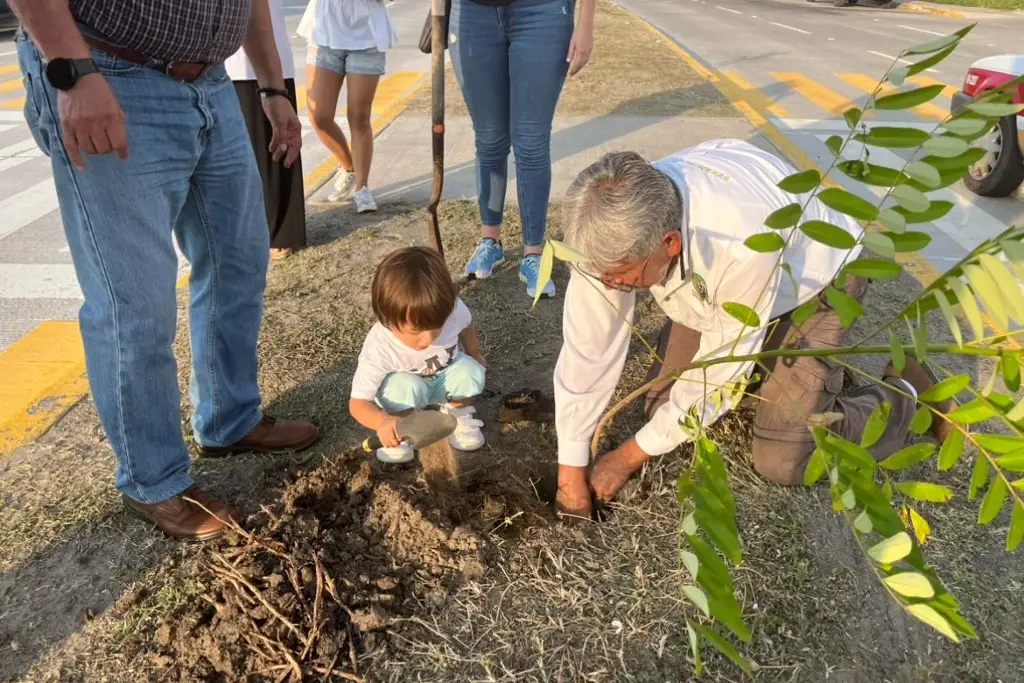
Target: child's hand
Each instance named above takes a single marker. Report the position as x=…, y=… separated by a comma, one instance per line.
x=479, y=358
x=386, y=432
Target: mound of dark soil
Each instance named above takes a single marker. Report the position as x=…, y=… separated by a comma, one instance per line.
x=328, y=574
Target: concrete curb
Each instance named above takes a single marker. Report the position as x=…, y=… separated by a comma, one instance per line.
x=929, y=9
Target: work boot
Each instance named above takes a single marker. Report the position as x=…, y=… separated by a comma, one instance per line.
x=922, y=379
x=181, y=518
x=271, y=435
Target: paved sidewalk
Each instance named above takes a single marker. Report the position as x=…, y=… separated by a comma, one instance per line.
x=402, y=157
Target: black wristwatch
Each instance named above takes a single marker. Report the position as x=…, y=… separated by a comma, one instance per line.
x=273, y=92
x=63, y=73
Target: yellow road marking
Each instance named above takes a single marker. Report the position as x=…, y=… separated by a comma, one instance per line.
x=13, y=84
x=947, y=90
x=917, y=266
x=393, y=93
x=16, y=103
x=826, y=98
x=300, y=97
x=42, y=375
x=867, y=84
x=9, y=69
x=42, y=378
x=757, y=98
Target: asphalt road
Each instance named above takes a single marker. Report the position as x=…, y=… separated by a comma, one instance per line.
x=37, y=280
x=803, y=63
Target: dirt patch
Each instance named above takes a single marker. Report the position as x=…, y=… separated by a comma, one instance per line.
x=341, y=556
x=632, y=72
x=475, y=584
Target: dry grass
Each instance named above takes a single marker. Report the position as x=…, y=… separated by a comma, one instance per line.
x=632, y=72
x=597, y=602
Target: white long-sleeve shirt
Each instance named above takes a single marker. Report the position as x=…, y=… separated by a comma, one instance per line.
x=728, y=188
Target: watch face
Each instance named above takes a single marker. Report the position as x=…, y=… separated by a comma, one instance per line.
x=61, y=73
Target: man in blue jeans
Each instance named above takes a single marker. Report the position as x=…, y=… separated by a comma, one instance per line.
x=131, y=102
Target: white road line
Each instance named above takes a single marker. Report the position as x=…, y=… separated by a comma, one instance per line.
x=892, y=58
x=9, y=53
x=38, y=281
x=791, y=28
x=921, y=30
x=18, y=153
x=12, y=116
x=834, y=126
x=7, y=126
x=729, y=9
x=27, y=206
x=966, y=224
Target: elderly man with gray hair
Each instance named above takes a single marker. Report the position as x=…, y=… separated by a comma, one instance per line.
x=676, y=228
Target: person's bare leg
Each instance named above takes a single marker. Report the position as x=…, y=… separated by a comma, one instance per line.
x=322, y=102
x=361, y=90
x=613, y=469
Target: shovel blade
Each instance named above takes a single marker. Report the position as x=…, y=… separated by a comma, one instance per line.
x=425, y=427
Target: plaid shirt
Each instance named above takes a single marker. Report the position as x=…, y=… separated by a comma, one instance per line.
x=170, y=30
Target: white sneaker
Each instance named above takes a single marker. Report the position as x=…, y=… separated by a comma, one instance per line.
x=364, y=201
x=467, y=435
x=344, y=183
x=397, y=455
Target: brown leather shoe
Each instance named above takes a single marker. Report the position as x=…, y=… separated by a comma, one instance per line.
x=922, y=378
x=271, y=435
x=181, y=518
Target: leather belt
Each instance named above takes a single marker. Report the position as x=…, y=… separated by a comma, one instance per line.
x=179, y=71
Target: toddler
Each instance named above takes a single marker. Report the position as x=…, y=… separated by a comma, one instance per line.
x=422, y=351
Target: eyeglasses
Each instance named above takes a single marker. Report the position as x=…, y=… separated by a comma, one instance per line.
x=619, y=286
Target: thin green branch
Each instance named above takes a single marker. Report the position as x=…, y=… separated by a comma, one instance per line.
x=951, y=349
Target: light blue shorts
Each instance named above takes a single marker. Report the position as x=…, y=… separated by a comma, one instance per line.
x=363, y=62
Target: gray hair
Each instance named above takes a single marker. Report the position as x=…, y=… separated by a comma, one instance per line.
x=618, y=209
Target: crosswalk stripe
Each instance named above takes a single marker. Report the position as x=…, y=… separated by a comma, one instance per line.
x=966, y=225
x=18, y=153
x=755, y=96
x=948, y=90
x=13, y=84
x=17, y=103
x=868, y=84
x=27, y=206
x=824, y=97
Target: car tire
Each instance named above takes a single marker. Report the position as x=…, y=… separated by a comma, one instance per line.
x=1002, y=175
x=843, y=3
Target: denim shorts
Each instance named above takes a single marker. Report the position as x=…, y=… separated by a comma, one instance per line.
x=368, y=62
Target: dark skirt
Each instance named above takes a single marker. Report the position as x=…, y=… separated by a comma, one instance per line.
x=282, y=187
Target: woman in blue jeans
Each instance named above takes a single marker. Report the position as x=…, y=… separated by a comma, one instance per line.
x=511, y=59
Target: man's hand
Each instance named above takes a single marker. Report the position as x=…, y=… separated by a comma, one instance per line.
x=573, y=497
x=613, y=469
x=92, y=120
x=387, y=433
x=286, y=141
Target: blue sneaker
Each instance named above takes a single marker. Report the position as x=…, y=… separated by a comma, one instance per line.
x=489, y=255
x=529, y=270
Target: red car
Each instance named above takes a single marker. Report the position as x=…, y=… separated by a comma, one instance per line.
x=1000, y=172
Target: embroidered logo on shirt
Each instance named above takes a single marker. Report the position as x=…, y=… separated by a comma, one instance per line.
x=700, y=287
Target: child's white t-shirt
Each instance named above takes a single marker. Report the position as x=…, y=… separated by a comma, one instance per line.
x=383, y=353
